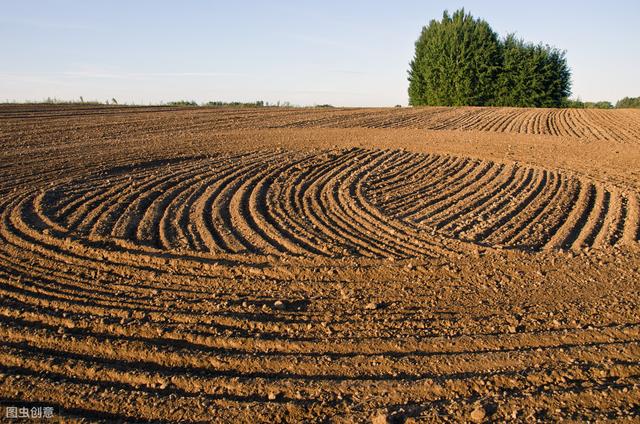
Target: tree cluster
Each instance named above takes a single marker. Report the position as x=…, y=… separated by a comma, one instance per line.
x=579, y=104
x=461, y=61
x=628, y=102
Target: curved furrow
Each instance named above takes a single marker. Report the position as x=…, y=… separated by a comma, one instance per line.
x=259, y=214
x=177, y=229
x=336, y=197
x=148, y=229
x=296, y=197
x=390, y=231
x=287, y=200
x=480, y=217
x=521, y=230
x=631, y=121
x=432, y=181
x=515, y=123
x=170, y=233
x=613, y=221
x=536, y=122
x=123, y=219
x=611, y=129
x=108, y=212
x=631, y=233
x=505, y=120
x=537, y=125
x=442, y=123
x=512, y=217
x=545, y=218
x=571, y=230
x=243, y=216
x=188, y=221
x=322, y=195
x=520, y=123
x=373, y=203
x=474, y=201
x=582, y=129
x=469, y=119
x=407, y=163
x=438, y=206
x=516, y=215
x=75, y=213
x=472, y=216
x=396, y=173
x=417, y=173
x=307, y=196
x=443, y=182
x=60, y=204
x=553, y=217
x=215, y=213
x=554, y=126
x=511, y=206
x=196, y=221
x=157, y=219
x=36, y=238
x=102, y=195
x=591, y=129
x=566, y=125
x=595, y=220
x=440, y=181
x=287, y=211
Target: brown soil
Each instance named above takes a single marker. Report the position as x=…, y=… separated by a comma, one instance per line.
x=306, y=265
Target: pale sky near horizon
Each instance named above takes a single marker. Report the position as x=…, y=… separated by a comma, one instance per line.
x=352, y=53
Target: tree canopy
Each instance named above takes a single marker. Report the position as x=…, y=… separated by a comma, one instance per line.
x=461, y=61
x=628, y=102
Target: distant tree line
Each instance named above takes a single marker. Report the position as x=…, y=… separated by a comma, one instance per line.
x=461, y=61
x=182, y=103
x=217, y=103
x=629, y=102
x=579, y=104
x=258, y=103
x=624, y=103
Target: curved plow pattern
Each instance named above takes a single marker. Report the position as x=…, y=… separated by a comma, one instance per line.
x=128, y=295
x=505, y=205
x=262, y=203
x=371, y=203
x=355, y=202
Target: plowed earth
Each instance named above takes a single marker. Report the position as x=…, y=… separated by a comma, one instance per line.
x=307, y=265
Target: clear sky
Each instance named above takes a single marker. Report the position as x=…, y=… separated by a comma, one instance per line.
x=346, y=53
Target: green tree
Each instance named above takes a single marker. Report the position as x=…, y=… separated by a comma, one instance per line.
x=629, y=102
x=579, y=104
x=460, y=61
x=598, y=105
x=456, y=62
x=532, y=75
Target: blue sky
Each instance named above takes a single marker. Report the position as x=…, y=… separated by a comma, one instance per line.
x=352, y=53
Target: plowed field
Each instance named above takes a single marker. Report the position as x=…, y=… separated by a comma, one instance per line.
x=320, y=265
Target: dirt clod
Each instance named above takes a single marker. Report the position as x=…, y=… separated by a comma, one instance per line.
x=380, y=418
x=478, y=414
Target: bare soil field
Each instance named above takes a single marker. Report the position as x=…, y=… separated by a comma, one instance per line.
x=320, y=265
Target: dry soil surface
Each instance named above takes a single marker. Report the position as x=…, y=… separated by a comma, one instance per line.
x=320, y=265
